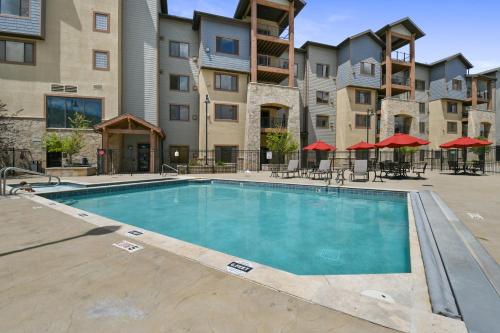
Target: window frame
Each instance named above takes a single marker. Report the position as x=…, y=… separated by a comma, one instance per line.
x=420, y=104
x=459, y=86
x=179, y=105
x=364, y=125
x=372, y=69
x=234, y=147
x=67, y=96
x=94, y=52
x=28, y=17
x=448, y=104
x=448, y=123
x=323, y=93
x=108, y=16
x=318, y=117
x=359, y=91
x=178, y=42
x=227, y=74
x=171, y=153
x=227, y=120
x=327, y=74
x=227, y=53
x=33, y=45
x=179, y=75
x=420, y=123
x=416, y=85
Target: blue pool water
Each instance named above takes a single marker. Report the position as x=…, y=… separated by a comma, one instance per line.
x=299, y=231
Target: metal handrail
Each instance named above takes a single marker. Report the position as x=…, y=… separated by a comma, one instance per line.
x=4, y=173
x=169, y=167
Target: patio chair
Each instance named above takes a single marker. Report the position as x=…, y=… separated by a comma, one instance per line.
x=476, y=166
x=324, y=169
x=420, y=171
x=293, y=168
x=360, y=169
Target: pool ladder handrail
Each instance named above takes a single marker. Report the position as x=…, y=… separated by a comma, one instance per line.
x=169, y=167
x=4, y=174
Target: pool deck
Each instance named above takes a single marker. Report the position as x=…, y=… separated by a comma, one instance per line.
x=464, y=194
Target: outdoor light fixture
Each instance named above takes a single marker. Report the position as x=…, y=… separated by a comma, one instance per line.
x=176, y=154
x=369, y=114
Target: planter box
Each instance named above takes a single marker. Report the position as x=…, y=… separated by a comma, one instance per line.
x=71, y=171
x=183, y=169
x=228, y=168
x=201, y=169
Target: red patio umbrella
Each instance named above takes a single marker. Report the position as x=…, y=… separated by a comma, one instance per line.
x=465, y=142
x=320, y=145
x=362, y=146
x=399, y=140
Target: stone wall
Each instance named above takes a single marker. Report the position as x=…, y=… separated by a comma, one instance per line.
x=259, y=94
x=28, y=133
x=392, y=107
x=476, y=117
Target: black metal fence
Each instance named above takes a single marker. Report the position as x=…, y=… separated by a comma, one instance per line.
x=20, y=158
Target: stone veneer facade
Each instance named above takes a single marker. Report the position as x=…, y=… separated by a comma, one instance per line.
x=259, y=94
x=475, y=118
x=392, y=107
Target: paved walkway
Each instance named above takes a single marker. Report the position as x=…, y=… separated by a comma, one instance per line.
x=61, y=275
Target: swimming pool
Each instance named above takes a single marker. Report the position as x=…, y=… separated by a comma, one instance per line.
x=302, y=230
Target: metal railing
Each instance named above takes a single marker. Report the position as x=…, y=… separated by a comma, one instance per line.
x=398, y=56
x=270, y=61
x=273, y=31
x=483, y=94
x=399, y=80
x=273, y=122
x=4, y=172
x=166, y=166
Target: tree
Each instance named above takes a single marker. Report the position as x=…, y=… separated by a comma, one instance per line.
x=8, y=130
x=407, y=151
x=280, y=141
x=481, y=151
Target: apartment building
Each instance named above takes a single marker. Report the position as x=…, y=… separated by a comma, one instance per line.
x=172, y=86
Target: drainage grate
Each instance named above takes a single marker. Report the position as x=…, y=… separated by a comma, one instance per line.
x=83, y=215
x=134, y=233
x=128, y=246
x=239, y=268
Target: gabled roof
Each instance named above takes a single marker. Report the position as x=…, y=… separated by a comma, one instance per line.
x=311, y=43
x=197, y=18
x=243, y=5
x=407, y=23
x=369, y=33
x=490, y=71
x=127, y=116
x=457, y=55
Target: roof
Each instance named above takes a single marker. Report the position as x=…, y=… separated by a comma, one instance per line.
x=120, y=118
x=407, y=23
x=368, y=32
x=311, y=43
x=243, y=5
x=457, y=55
x=490, y=71
x=197, y=18
x=177, y=18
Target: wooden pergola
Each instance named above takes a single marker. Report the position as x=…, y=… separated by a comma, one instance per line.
x=127, y=124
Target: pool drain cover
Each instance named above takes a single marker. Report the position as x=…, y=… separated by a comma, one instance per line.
x=239, y=268
x=128, y=246
x=134, y=233
x=378, y=295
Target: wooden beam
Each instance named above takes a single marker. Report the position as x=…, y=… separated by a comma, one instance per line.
x=474, y=92
x=105, y=145
x=291, y=48
x=491, y=96
x=253, y=42
x=127, y=131
x=412, y=68
x=273, y=69
x=388, y=64
x=273, y=39
x=401, y=36
x=274, y=5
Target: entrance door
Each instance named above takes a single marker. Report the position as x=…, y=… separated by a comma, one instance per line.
x=143, y=157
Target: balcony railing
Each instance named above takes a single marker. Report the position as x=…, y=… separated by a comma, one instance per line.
x=483, y=94
x=402, y=81
x=273, y=122
x=480, y=107
x=398, y=56
x=273, y=31
x=270, y=61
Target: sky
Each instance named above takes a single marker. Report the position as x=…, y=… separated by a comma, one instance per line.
x=469, y=27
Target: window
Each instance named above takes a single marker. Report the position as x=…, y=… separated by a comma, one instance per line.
x=452, y=107
x=456, y=84
x=101, y=22
x=367, y=68
x=179, y=112
x=227, y=45
x=421, y=108
x=421, y=127
x=484, y=130
x=322, y=121
x=362, y=121
x=226, y=112
x=322, y=97
x=420, y=85
x=322, y=70
x=101, y=60
x=363, y=97
x=179, y=82
x=15, y=7
x=451, y=127
x=295, y=70
x=60, y=109
x=17, y=52
x=179, y=49
x=226, y=154
x=226, y=82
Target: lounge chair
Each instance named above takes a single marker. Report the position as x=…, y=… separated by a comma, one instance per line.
x=293, y=168
x=324, y=169
x=420, y=171
x=360, y=169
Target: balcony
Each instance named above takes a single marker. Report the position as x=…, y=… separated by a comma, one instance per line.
x=481, y=95
x=272, y=31
x=271, y=69
x=271, y=41
x=273, y=122
x=398, y=80
x=398, y=56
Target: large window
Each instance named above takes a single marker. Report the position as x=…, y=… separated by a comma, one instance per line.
x=179, y=49
x=227, y=45
x=322, y=121
x=421, y=108
x=17, y=52
x=456, y=84
x=367, y=69
x=226, y=82
x=421, y=127
x=101, y=22
x=179, y=82
x=452, y=107
x=226, y=112
x=322, y=70
x=451, y=127
x=179, y=112
x=226, y=154
x=15, y=7
x=363, y=97
x=60, y=110
x=322, y=97
x=420, y=85
x=362, y=121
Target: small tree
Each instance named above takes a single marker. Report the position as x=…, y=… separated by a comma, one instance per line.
x=280, y=141
x=404, y=151
x=481, y=151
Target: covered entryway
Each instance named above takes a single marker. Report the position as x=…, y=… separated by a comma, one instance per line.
x=130, y=144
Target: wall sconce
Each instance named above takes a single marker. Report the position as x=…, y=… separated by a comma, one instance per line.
x=176, y=154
